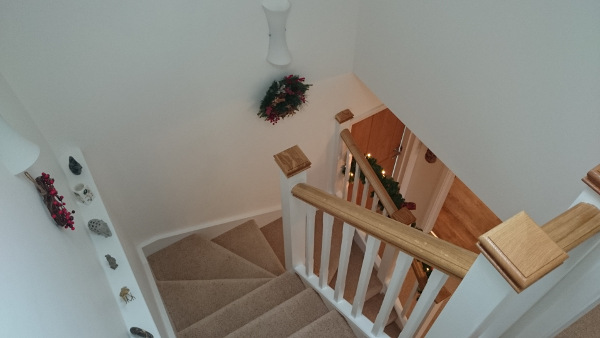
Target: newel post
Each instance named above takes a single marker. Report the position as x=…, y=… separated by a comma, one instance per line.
x=337, y=158
x=293, y=164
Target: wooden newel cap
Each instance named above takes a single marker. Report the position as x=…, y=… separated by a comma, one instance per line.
x=521, y=251
x=403, y=215
x=593, y=179
x=343, y=116
x=292, y=161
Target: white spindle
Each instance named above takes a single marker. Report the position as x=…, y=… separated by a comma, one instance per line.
x=325, y=249
x=390, y=255
x=432, y=288
x=356, y=183
x=375, y=203
x=401, y=268
x=310, y=239
x=340, y=283
x=411, y=298
x=365, y=194
x=365, y=275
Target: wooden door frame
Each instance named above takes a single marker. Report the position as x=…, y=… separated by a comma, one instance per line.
x=406, y=165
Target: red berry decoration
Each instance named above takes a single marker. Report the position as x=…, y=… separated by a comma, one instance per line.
x=45, y=186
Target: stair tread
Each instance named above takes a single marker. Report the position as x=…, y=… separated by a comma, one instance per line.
x=372, y=306
x=274, y=235
x=247, y=241
x=196, y=258
x=188, y=301
x=353, y=274
x=243, y=310
x=286, y=318
x=332, y=324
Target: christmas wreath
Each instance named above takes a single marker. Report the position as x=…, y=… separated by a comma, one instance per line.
x=284, y=98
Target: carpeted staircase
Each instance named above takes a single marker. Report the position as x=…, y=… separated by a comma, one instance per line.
x=236, y=286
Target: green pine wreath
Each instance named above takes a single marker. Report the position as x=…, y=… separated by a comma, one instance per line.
x=283, y=98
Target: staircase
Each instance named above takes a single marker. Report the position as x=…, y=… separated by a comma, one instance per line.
x=236, y=286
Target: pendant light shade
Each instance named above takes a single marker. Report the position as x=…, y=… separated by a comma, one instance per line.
x=277, y=12
x=16, y=152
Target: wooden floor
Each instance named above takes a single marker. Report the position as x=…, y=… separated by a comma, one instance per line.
x=464, y=217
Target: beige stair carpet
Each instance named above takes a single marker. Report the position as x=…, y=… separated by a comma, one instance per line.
x=196, y=258
x=285, y=319
x=273, y=232
x=247, y=241
x=372, y=306
x=330, y=325
x=188, y=301
x=353, y=274
x=245, y=309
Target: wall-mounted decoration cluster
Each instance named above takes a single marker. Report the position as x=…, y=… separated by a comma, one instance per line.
x=136, y=331
x=283, y=98
x=53, y=201
x=99, y=227
x=112, y=262
x=83, y=193
x=74, y=166
x=126, y=295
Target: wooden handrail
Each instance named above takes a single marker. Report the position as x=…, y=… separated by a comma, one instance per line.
x=439, y=254
x=367, y=170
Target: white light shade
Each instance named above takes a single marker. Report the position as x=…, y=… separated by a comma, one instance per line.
x=277, y=12
x=16, y=152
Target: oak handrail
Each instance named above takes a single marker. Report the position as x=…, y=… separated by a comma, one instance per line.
x=438, y=253
x=369, y=173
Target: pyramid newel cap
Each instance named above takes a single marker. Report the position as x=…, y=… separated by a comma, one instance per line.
x=292, y=161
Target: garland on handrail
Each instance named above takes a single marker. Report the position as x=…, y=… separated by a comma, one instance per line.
x=283, y=98
x=391, y=186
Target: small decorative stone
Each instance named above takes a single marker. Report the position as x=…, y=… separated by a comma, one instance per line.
x=99, y=227
x=112, y=262
x=74, y=166
x=126, y=295
x=140, y=332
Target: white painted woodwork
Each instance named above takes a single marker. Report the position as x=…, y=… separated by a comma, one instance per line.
x=310, y=239
x=293, y=214
x=365, y=274
x=419, y=313
x=435, y=308
x=340, y=283
x=325, y=249
x=375, y=203
x=390, y=255
x=411, y=298
x=365, y=194
x=393, y=289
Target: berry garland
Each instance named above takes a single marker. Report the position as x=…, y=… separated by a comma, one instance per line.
x=59, y=213
x=283, y=98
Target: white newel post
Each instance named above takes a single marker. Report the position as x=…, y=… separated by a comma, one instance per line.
x=337, y=159
x=293, y=164
x=485, y=305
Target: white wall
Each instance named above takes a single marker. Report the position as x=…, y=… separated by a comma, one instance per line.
x=424, y=182
x=52, y=285
x=504, y=92
x=162, y=98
